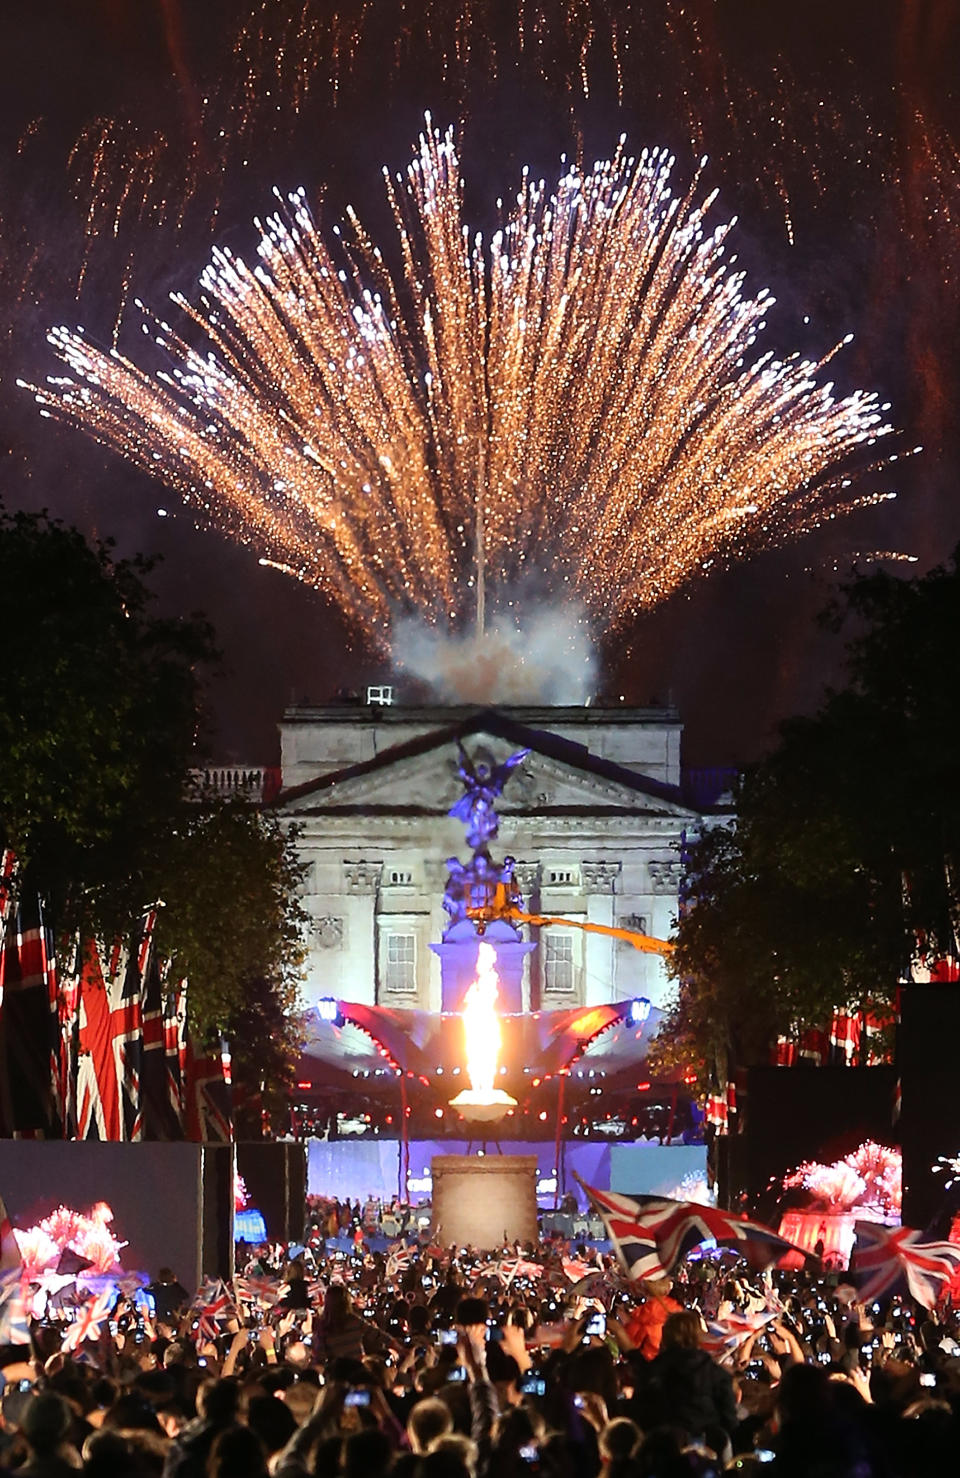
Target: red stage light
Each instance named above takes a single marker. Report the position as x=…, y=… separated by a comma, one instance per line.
x=305, y=1084
x=642, y=1087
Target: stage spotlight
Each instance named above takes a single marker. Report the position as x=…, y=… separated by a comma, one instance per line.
x=639, y=1011
x=328, y=1009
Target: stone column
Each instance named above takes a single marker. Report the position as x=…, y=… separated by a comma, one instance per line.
x=361, y=885
x=665, y=876
x=527, y=875
x=599, y=882
x=435, y=875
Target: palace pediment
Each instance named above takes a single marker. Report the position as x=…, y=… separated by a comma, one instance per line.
x=421, y=776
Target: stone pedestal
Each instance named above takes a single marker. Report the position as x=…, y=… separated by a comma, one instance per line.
x=458, y=963
x=484, y=1200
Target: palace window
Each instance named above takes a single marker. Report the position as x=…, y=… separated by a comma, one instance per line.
x=562, y=877
x=558, y=963
x=400, y=963
x=399, y=877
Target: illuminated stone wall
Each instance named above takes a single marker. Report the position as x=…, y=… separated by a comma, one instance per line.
x=484, y=1201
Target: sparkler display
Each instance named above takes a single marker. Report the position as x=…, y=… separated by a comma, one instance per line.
x=574, y=401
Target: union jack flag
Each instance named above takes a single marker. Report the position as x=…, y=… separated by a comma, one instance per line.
x=9, y=1247
x=8, y=878
x=399, y=1258
x=89, y=1319
x=28, y=991
x=575, y=1268
x=886, y=1258
x=723, y=1336
x=262, y=1292
x=209, y=1113
x=160, y=1089
x=213, y=1303
x=651, y=1236
x=509, y=1268
x=14, y=1324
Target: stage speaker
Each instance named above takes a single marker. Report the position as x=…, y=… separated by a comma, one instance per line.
x=809, y=1113
x=216, y=1169
x=275, y=1175
x=928, y=1040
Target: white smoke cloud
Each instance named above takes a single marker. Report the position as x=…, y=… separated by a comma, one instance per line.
x=548, y=659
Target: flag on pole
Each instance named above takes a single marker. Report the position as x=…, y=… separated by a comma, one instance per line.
x=110, y=1038
x=8, y=891
x=887, y=1258
x=175, y=1048
x=161, y=1115
x=28, y=1023
x=209, y=1113
x=651, y=1235
x=127, y=1021
x=98, y=1092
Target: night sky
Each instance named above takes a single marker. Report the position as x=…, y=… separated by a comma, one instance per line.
x=134, y=137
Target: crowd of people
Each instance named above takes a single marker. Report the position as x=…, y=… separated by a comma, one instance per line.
x=432, y=1363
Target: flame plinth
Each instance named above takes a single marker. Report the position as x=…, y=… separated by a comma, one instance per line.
x=482, y=1040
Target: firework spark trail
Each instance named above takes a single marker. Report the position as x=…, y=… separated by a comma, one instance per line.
x=575, y=399
x=283, y=71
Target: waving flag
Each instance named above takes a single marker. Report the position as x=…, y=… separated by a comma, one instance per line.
x=261, y=1292
x=399, y=1258
x=650, y=1236
x=509, y=1268
x=886, y=1258
x=213, y=1303
x=723, y=1336
x=88, y=1321
x=575, y=1268
x=9, y=1248
x=14, y=1324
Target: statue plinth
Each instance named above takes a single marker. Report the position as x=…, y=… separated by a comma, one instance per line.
x=484, y=1201
x=458, y=963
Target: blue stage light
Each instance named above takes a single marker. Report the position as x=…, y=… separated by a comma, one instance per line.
x=249, y=1226
x=639, y=1011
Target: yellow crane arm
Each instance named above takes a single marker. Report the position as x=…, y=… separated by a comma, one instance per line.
x=645, y=942
x=501, y=904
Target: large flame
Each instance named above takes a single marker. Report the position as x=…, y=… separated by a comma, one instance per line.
x=482, y=1041
x=481, y=1024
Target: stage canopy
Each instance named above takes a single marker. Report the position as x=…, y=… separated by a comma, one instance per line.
x=376, y=1042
